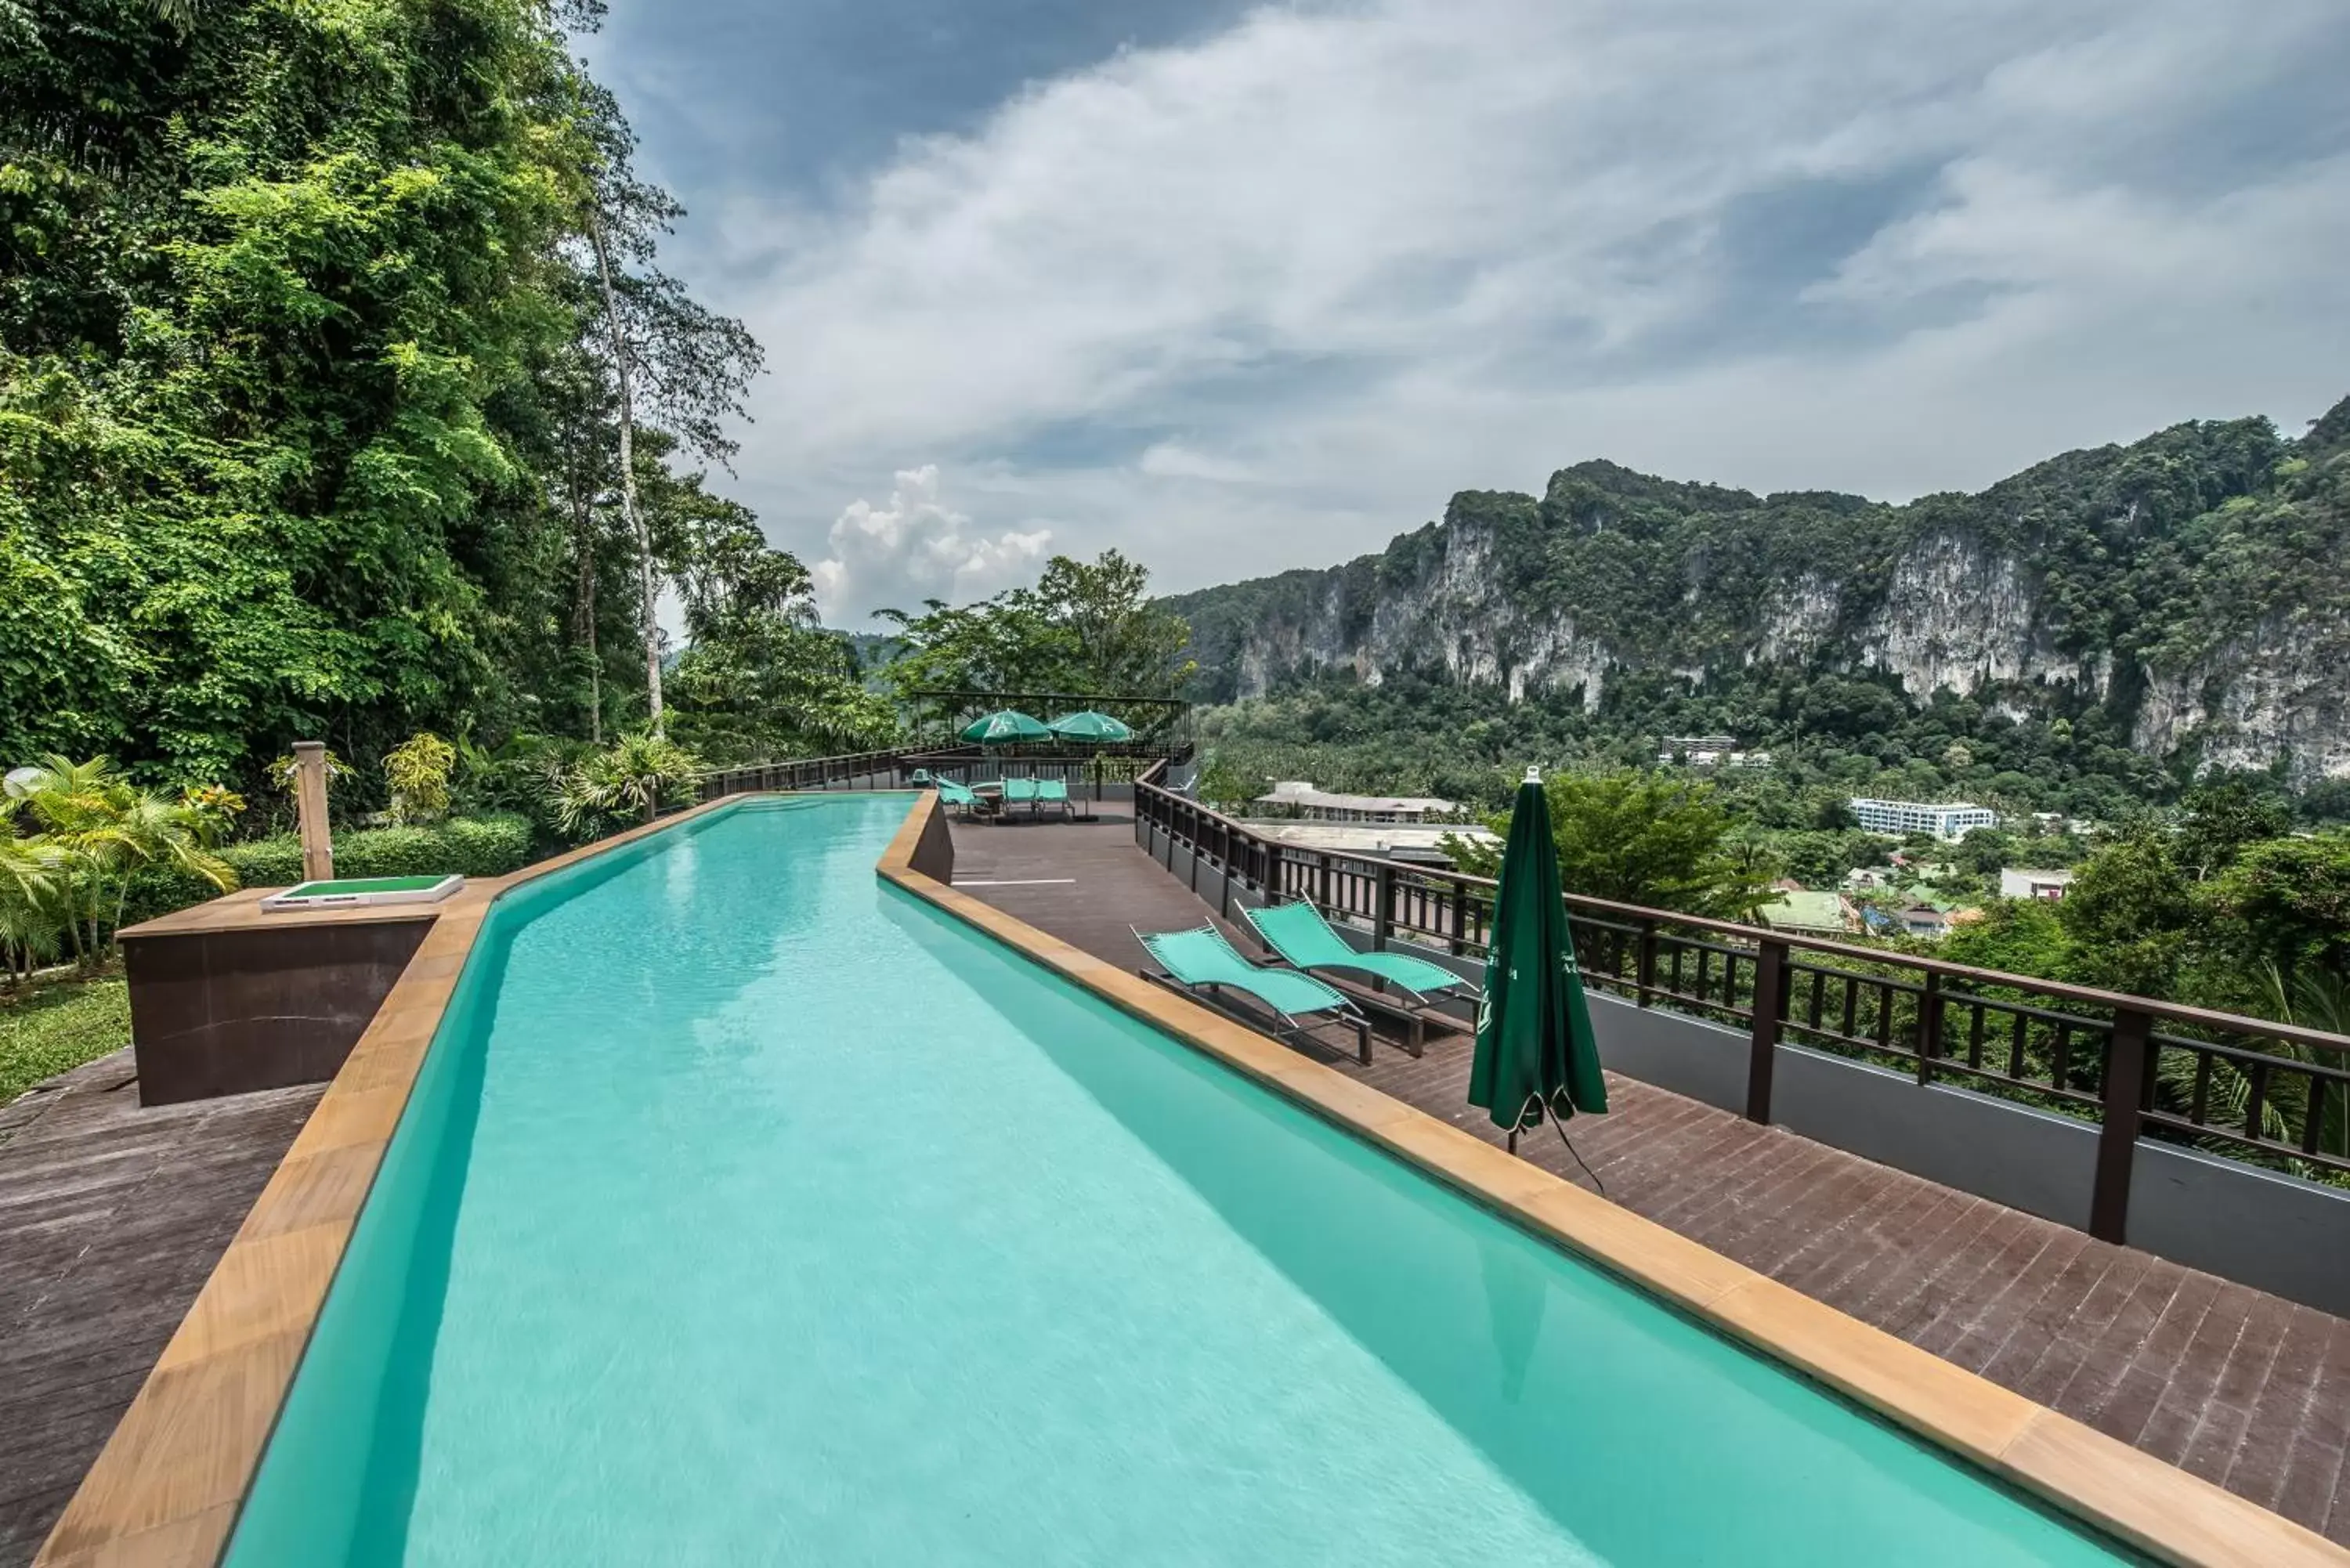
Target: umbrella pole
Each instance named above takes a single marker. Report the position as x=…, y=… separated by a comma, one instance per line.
x=1513, y=1140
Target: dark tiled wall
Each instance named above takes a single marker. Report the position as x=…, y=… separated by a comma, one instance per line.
x=222, y=1013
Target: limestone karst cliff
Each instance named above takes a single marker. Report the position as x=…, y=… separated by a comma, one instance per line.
x=2194, y=584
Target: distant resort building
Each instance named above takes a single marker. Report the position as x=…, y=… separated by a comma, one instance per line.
x=1299, y=798
x=1953, y=820
x=1392, y=827
x=1709, y=752
x=2017, y=884
x=1413, y=845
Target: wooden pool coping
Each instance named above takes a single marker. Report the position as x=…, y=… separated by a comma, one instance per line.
x=169, y=1485
x=2162, y=1511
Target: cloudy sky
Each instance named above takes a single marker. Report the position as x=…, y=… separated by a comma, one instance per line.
x=1244, y=287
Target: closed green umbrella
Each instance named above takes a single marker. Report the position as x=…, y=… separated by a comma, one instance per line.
x=1090, y=725
x=1534, y=1050
x=1003, y=729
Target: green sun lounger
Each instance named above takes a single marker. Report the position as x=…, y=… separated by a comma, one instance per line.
x=1020, y=792
x=955, y=794
x=1299, y=934
x=1200, y=960
x=1055, y=791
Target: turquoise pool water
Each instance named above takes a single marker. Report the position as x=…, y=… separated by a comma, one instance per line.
x=749, y=1211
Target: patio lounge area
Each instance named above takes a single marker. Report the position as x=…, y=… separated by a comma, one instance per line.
x=2241, y=1387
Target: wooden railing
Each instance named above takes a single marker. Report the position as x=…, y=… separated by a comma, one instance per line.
x=857, y=770
x=2272, y=1093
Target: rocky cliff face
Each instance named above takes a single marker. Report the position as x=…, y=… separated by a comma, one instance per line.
x=2192, y=584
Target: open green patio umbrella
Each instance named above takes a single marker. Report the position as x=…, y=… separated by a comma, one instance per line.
x=1090, y=725
x=1534, y=1050
x=1004, y=728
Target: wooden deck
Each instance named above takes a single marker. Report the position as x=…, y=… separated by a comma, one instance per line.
x=111, y=1216
x=2237, y=1387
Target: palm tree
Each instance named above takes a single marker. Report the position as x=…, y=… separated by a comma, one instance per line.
x=636, y=776
x=101, y=829
x=2319, y=1000
x=30, y=918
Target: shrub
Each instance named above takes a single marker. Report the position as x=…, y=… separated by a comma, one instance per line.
x=489, y=845
x=609, y=790
x=418, y=771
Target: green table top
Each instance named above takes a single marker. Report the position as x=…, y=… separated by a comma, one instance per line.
x=344, y=887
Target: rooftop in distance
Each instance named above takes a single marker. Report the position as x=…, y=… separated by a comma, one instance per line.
x=1300, y=796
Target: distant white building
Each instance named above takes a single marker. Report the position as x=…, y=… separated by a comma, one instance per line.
x=1416, y=845
x=1714, y=759
x=2018, y=884
x=1953, y=820
x=1298, y=797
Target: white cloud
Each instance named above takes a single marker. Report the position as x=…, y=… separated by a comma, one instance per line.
x=1360, y=258
x=915, y=548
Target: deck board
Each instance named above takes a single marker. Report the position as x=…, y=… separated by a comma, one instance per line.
x=2241, y=1387
x=111, y=1217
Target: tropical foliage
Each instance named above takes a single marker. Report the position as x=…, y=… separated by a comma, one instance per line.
x=1087, y=626
x=418, y=771
x=1635, y=839
x=74, y=836
x=342, y=395
x=629, y=782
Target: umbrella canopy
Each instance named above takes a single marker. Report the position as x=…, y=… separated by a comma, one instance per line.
x=1091, y=726
x=1534, y=1050
x=1004, y=728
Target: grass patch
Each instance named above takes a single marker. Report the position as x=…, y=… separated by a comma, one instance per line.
x=48, y=1028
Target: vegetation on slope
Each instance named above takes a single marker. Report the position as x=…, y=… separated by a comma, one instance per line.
x=2167, y=556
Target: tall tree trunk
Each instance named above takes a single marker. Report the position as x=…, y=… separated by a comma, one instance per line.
x=628, y=511
x=583, y=615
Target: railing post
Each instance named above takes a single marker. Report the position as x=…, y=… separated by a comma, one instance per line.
x=1762, y=1055
x=1383, y=922
x=2128, y=1049
x=1322, y=882
x=1929, y=1026
x=1224, y=866
x=1644, y=971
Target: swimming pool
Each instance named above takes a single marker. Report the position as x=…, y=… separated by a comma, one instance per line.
x=749, y=1210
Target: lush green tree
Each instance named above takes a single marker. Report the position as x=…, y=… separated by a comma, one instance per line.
x=2131, y=915
x=1120, y=641
x=1984, y=850
x=2289, y=900
x=2019, y=936
x=1227, y=787
x=684, y=365
x=1086, y=627
x=1007, y=643
x=1643, y=839
x=309, y=379
x=2224, y=818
